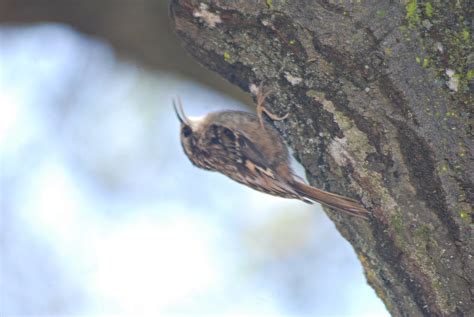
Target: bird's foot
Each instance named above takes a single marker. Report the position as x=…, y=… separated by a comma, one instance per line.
x=261, y=96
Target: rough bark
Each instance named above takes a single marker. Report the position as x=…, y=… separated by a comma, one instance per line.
x=379, y=95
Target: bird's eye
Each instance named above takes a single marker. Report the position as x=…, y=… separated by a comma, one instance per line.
x=187, y=131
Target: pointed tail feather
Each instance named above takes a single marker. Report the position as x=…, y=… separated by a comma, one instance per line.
x=338, y=202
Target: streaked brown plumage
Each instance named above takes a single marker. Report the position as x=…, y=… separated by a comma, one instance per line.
x=248, y=150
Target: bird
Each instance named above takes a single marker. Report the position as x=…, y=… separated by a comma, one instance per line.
x=249, y=150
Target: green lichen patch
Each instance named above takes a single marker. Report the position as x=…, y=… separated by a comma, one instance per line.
x=428, y=9
x=443, y=168
x=426, y=62
x=226, y=56
x=381, y=13
x=443, y=33
x=470, y=74
x=373, y=279
x=396, y=222
x=465, y=216
x=413, y=16
x=422, y=233
x=465, y=34
x=451, y=114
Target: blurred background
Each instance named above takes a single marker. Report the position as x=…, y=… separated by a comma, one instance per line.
x=101, y=211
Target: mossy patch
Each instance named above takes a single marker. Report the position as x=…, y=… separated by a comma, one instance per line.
x=428, y=9
x=397, y=224
x=426, y=62
x=413, y=15
x=423, y=233
x=373, y=279
x=381, y=13
x=465, y=35
x=466, y=217
x=226, y=56
x=443, y=34
x=470, y=74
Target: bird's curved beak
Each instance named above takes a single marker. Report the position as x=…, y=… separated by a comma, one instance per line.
x=178, y=109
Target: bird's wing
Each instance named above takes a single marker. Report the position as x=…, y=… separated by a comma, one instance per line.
x=242, y=161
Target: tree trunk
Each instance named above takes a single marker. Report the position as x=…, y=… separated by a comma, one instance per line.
x=379, y=94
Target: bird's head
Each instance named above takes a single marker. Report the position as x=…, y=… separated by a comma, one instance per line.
x=191, y=132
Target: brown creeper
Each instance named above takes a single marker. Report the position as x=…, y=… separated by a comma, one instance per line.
x=250, y=151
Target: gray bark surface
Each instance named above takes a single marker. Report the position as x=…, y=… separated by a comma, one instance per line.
x=379, y=95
